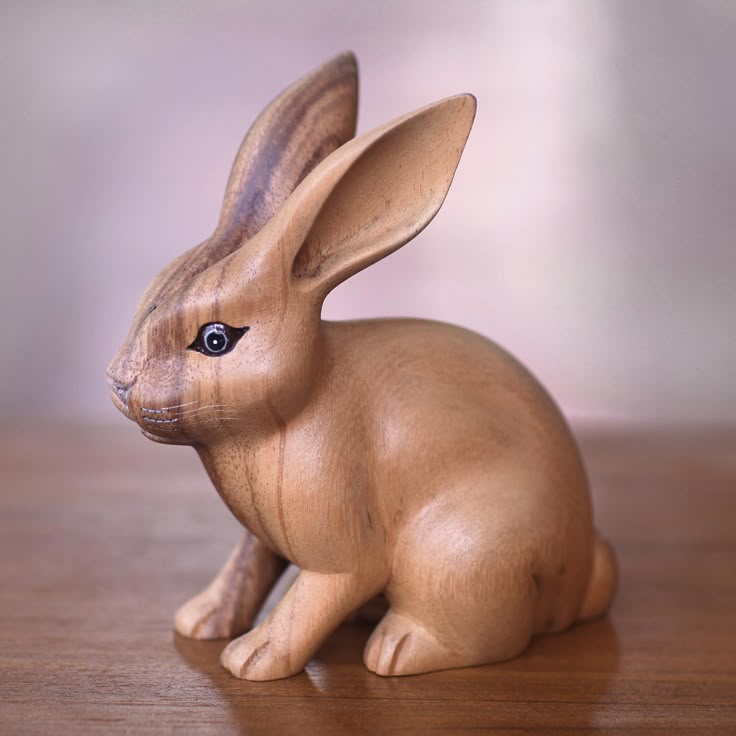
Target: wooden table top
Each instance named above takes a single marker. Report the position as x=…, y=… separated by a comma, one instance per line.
x=103, y=535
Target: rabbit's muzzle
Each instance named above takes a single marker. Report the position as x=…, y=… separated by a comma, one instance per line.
x=120, y=393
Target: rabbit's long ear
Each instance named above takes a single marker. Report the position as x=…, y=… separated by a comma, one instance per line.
x=373, y=195
x=302, y=126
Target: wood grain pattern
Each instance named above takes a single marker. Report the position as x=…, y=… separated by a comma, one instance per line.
x=403, y=458
x=304, y=124
x=102, y=535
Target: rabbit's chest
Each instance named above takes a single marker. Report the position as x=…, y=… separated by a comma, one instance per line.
x=302, y=505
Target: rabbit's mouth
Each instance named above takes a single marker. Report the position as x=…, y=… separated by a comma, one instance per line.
x=155, y=424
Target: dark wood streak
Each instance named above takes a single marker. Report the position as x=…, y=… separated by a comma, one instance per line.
x=276, y=171
x=281, y=424
x=264, y=534
x=244, y=572
x=284, y=292
x=325, y=147
x=537, y=581
x=210, y=466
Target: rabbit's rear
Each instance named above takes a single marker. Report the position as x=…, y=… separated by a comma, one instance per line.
x=480, y=491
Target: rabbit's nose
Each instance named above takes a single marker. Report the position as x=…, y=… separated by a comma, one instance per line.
x=121, y=390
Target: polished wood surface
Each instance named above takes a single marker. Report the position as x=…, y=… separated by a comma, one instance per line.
x=103, y=534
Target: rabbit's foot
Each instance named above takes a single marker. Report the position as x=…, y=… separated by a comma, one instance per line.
x=400, y=646
x=209, y=616
x=256, y=657
x=312, y=608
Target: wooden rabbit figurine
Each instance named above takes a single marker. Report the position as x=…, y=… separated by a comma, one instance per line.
x=395, y=456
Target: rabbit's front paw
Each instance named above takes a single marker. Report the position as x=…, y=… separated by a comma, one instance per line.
x=255, y=657
x=207, y=617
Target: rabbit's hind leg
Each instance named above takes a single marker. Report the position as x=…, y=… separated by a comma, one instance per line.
x=456, y=601
x=500, y=629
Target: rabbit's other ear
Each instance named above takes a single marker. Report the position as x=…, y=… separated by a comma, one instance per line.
x=374, y=194
x=300, y=128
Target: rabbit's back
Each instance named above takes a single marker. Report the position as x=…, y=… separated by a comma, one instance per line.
x=430, y=387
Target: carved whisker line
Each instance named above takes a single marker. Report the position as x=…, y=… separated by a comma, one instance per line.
x=170, y=425
x=164, y=409
x=188, y=412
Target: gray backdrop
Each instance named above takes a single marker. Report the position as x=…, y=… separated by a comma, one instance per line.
x=590, y=228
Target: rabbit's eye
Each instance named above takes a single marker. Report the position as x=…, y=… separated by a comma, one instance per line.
x=216, y=338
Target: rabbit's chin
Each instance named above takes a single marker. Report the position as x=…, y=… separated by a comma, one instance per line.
x=164, y=440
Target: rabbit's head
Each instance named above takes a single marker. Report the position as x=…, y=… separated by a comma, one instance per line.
x=151, y=380
x=236, y=345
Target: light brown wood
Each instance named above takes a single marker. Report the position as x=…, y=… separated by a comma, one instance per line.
x=399, y=457
x=102, y=535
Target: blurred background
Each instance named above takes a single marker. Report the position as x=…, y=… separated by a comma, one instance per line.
x=590, y=228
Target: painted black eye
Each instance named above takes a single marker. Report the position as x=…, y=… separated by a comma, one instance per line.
x=216, y=338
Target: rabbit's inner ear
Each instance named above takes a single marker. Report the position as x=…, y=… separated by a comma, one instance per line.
x=378, y=192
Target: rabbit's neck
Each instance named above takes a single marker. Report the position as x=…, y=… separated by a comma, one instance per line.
x=249, y=478
x=299, y=487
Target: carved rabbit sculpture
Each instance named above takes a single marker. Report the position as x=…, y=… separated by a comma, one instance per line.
x=399, y=457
